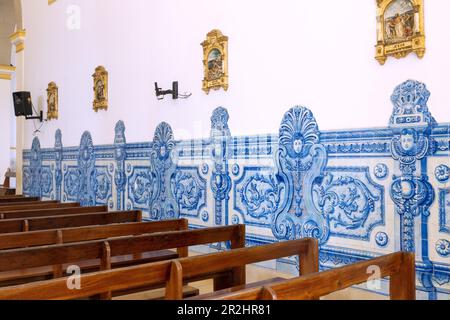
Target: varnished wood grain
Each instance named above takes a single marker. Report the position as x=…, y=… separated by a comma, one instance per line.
x=68, y=221
x=51, y=212
x=140, y=276
x=399, y=266
x=39, y=205
x=27, y=203
x=14, y=199
x=79, y=234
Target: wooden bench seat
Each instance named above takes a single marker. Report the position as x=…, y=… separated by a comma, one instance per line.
x=38, y=205
x=79, y=234
x=27, y=203
x=50, y=212
x=68, y=221
x=400, y=267
x=28, y=275
x=105, y=251
x=224, y=292
x=15, y=199
x=226, y=268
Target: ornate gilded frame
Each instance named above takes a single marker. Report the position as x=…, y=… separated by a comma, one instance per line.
x=400, y=49
x=100, y=89
x=52, y=101
x=215, y=70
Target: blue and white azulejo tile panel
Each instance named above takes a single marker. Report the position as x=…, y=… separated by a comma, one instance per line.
x=362, y=193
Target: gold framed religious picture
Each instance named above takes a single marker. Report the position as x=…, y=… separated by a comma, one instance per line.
x=215, y=61
x=52, y=101
x=100, y=89
x=400, y=29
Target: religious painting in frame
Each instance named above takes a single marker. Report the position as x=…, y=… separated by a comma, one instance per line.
x=52, y=101
x=215, y=61
x=400, y=29
x=100, y=89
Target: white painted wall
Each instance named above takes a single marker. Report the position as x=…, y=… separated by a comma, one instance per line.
x=5, y=120
x=286, y=52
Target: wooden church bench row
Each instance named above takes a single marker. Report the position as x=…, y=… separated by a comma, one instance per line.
x=88, y=233
x=108, y=254
x=6, y=192
x=226, y=268
x=50, y=212
x=68, y=221
x=38, y=205
x=14, y=199
x=400, y=267
x=27, y=203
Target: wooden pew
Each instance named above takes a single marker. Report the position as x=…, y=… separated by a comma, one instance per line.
x=12, y=196
x=173, y=273
x=113, y=253
x=13, y=199
x=400, y=267
x=50, y=212
x=89, y=233
x=5, y=188
x=27, y=203
x=306, y=249
x=68, y=221
x=38, y=205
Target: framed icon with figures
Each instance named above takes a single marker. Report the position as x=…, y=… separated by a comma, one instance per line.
x=400, y=29
x=100, y=89
x=52, y=101
x=215, y=61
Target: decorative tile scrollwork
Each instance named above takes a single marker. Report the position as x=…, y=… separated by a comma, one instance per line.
x=411, y=123
x=163, y=204
x=442, y=173
x=257, y=196
x=102, y=184
x=220, y=180
x=443, y=247
x=299, y=183
x=120, y=156
x=300, y=160
x=189, y=190
x=205, y=168
x=205, y=216
x=35, y=169
x=58, y=161
x=236, y=169
x=86, y=171
x=352, y=203
x=381, y=171
x=382, y=239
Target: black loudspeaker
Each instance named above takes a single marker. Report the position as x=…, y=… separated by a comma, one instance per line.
x=22, y=104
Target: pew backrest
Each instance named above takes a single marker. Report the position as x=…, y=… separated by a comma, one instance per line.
x=14, y=199
x=89, y=233
x=306, y=249
x=38, y=205
x=88, y=250
x=133, y=277
x=173, y=273
x=50, y=212
x=27, y=202
x=400, y=267
x=68, y=221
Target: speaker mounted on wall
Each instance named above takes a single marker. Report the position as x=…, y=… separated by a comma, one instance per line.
x=23, y=106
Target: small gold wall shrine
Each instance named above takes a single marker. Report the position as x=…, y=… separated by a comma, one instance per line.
x=52, y=101
x=400, y=29
x=215, y=61
x=100, y=89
